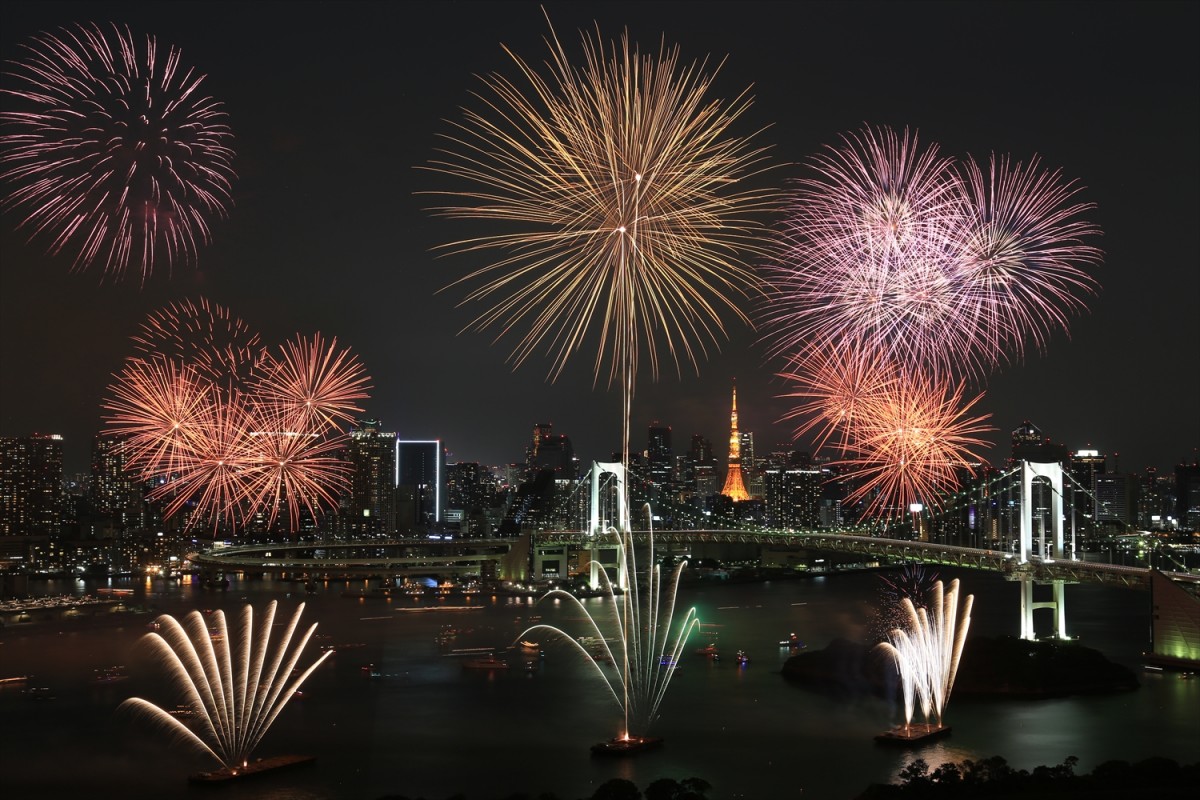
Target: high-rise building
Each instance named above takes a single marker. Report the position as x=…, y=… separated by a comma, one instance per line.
x=369, y=507
x=735, y=487
x=1083, y=468
x=660, y=462
x=114, y=490
x=548, y=451
x=421, y=476
x=793, y=497
x=1116, y=499
x=1187, y=495
x=31, y=499
x=751, y=469
x=31, y=485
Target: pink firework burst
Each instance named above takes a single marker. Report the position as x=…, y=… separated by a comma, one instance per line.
x=157, y=406
x=206, y=337
x=830, y=391
x=312, y=385
x=911, y=441
x=116, y=156
x=870, y=263
x=290, y=470
x=212, y=475
x=1024, y=251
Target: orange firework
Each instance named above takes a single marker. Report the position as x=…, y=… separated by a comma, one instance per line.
x=312, y=387
x=910, y=440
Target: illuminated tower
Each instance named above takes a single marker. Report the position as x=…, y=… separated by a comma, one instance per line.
x=735, y=489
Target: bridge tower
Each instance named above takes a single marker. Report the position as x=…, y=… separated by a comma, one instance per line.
x=599, y=526
x=1053, y=473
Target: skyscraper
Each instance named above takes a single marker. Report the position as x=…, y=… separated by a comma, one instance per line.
x=420, y=474
x=369, y=508
x=31, y=499
x=660, y=461
x=735, y=487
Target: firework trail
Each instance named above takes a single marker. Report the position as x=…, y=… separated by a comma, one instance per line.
x=627, y=203
x=235, y=694
x=205, y=336
x=115, y=156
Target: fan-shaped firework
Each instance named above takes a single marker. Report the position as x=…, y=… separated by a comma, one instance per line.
x=625, y=193
x=226, y=452
x=1022, y=252
x=911, y=439
x=204, y=336
x=640, y=620
x=115, y=154
x=927, y=650
x=235, y=695
x=310, y=386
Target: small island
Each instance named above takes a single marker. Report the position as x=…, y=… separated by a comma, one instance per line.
x=991, y=667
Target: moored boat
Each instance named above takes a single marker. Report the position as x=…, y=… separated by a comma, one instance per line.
x=250, y=769
x=627, y=745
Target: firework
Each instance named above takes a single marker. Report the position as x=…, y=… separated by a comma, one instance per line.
x=157, y=406
x=626, y=198
x=203, y=335
x=911, y=440
x=290, y=470
x=831, y=391
x=312, y=387
x=234, y=695
x=116, y=156
x=640, y=621
x=869, y=264
x=903, y=256
x=927, y=650
x=1023, y=251
x=227, y=432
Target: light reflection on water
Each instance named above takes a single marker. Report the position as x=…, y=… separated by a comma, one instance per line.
x=428, y=727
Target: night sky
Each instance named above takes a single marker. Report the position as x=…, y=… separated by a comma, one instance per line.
x=334, y=106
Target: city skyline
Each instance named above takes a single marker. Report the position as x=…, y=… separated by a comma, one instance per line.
x=332, y=112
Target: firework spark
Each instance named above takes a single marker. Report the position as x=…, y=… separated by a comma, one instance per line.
x=907, y=257
x=928, y=649
x=203, y=335
x=911, y=440
x=831, y=391
x=1024, y=250
x=311, y=386
x=115, y=154
x=226, y=452
x=640, y=621
x=235, y=695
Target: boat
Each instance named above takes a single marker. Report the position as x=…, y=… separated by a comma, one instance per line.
x=491, y=662
x=742, y=658
x=626, y=746
x=710, y=650
x=792, y=642
x=109, y=675
x=912, y=734
x=250, y=769
x=527, y=645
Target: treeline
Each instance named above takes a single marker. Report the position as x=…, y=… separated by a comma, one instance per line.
x=615, y=789
x=993, y=778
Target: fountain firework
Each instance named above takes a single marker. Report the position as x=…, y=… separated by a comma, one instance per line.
x=234, y=697
x=927, y=652
x=639, y=621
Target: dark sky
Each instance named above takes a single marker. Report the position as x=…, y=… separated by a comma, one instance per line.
x=334, y=105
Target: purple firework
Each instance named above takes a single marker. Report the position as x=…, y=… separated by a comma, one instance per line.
x=115, y=155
